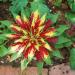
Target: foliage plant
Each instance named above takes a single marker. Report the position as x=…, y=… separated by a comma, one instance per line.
x=35, y=34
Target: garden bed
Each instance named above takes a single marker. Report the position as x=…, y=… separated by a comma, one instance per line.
x=59, y=66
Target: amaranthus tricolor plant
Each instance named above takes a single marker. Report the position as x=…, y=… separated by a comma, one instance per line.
x=32, y=37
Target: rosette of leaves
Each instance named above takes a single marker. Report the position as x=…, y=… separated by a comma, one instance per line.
x=31, y=38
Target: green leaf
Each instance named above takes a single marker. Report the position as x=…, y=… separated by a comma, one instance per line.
x=57, y=53
x=3, y=51
x=59, y=45
x=58, y=3
x=6, y=23
x=24, y=64
x=42, y=8
x=40, y=67
x=67, y=44
x=63, y=43
x=72, y=58
x=17, y=5
x=1, y=42
x=14, y=56
x=48, y=60
x=53, y=17
x=30, y=57
x=61, y=30
x=62, y=39
x=73, y=38
x=70, y=16
x=17, y=54
x=6, y=26
x=25, y=13
x=2, y=37
x=40, y=1
x=71, y=5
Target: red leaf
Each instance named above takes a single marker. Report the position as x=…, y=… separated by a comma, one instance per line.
x=42, y=53
x=14, y=36
x=43, y=50
x=53, y=40
x=38, y=55
x=29, y=50
x=48, y=33
x=47, y=25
